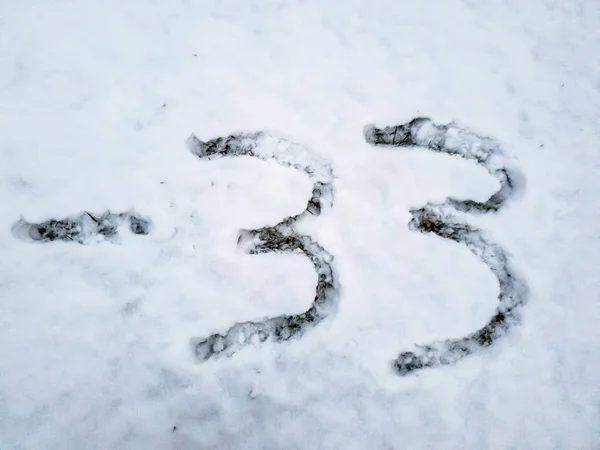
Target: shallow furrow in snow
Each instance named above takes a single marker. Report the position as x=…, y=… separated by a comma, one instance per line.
x=81, y=228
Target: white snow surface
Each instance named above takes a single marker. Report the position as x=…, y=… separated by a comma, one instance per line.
x=97, y=99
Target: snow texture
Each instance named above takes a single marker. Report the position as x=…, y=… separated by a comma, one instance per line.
x=422, y=243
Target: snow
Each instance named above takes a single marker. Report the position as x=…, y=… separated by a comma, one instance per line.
x=97, y=100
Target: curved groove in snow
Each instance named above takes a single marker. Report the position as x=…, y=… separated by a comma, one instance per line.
x=438, y=218
x=282, y=237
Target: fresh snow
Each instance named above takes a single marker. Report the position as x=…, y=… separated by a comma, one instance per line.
x=99, y=334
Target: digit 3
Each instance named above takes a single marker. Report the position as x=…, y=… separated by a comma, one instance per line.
x=280, y=238
x=441, y=219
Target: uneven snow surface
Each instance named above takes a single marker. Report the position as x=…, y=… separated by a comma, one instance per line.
x=220, y=227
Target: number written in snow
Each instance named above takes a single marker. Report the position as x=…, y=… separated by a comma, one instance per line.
x=443, y=219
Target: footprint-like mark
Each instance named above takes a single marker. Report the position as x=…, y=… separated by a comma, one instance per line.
x=441, y=219
x=282, y=237
x=82, y=228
